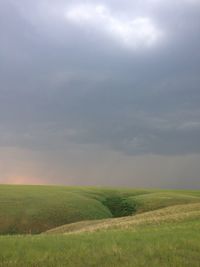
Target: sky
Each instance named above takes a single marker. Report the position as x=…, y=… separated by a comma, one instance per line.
x=100, y=93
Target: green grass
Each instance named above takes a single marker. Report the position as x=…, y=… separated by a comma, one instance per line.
x=84, y=231
x=157, y=200
x=166, y=245
x=170, y=214
x=34, y=209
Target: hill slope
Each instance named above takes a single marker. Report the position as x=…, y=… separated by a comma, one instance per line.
x=34, y=209
x=172, y=214
x=167, y=237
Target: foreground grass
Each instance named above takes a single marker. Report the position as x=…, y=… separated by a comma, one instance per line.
x=168, y=244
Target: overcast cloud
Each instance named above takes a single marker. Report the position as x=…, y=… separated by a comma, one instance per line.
x=100, y=92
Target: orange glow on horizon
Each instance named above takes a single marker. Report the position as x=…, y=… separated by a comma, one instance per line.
x=19, y=179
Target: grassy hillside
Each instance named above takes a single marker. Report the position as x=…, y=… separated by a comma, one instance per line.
x=161, y=199
x=168, y=237
x=177, y=213
x=34, y=209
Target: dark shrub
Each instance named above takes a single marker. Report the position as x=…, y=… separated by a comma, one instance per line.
x=119, y=206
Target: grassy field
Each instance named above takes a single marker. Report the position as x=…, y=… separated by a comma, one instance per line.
x=79, y=227
x=173, y=214
x=34, y=209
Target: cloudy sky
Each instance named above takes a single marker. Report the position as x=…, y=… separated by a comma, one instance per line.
x=100, y=92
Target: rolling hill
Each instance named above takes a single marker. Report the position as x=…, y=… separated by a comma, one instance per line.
x=86, y=227
x=35, y=209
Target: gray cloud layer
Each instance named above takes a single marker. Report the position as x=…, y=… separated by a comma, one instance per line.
x=120, y=76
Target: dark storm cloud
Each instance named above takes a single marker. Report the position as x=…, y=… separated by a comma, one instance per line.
x=124, y=76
